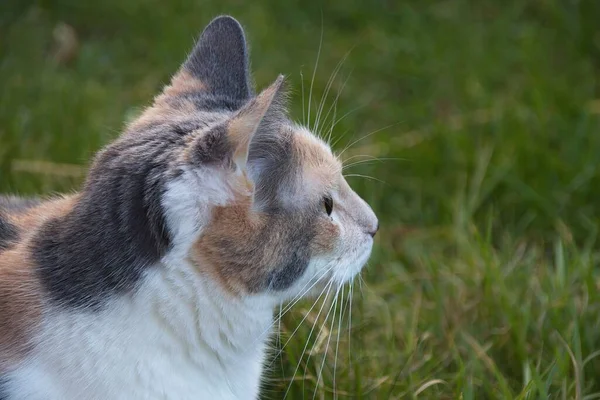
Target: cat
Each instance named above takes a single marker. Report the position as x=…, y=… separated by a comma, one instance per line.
x=159, y=279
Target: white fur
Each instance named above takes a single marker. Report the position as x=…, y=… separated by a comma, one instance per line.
x=188, y=201
x=178, y=337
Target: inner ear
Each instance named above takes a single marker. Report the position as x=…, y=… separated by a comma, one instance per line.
x=266, y=109
x=219, y=64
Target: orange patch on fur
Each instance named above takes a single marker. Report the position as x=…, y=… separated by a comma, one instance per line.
x=327, y=234
x=235, y=224
x=320, y=169
x=183, y=83
x=20, y=291
x=161, y=110
x=30, y=219
x=20, y=305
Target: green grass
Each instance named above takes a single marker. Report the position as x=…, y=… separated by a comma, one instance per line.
x=485, y=280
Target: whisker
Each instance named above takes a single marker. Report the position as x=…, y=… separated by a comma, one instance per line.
x=350, y=322
x=279, y=338
x=303, y=319
x=303, y=110
x=371, y=160
x=341, y=137
x=337, y=343
x=329, y=286
x=366, y=177
x=360, y=284
x=328, y=340
x=327, y=89
x=335, y=122
x=334, y=107
x=299, y=297
x=333, y=118
x=295, y=300
x=310, y=353
x=368, y=135
x=326, y=93
x=312, y=81
x=359, y=155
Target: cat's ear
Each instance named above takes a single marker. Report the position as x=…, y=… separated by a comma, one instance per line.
x=256, y=121
x=218, y=64
x=264, y=111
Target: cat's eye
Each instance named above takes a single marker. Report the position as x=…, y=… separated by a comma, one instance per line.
x=328, y=204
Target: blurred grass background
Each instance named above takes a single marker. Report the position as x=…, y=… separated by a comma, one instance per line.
x=485, y=281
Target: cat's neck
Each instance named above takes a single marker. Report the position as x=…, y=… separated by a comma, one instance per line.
x=205, y=315
x=221, y=338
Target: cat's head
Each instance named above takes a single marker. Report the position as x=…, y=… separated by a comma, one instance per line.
x=254, y=201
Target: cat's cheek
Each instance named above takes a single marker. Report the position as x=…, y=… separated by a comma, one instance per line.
x=326, y=238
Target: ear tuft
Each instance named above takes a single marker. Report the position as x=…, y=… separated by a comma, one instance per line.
x=219, y=59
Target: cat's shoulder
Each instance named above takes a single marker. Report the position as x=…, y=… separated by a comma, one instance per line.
x=20, y=288
x=10, y=206
x=20, y=215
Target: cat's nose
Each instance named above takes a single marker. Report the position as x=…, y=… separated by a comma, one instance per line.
x=373, y=232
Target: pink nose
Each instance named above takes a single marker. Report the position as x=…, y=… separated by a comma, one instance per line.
x=374, y=232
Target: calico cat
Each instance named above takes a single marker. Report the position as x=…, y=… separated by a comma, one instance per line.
x=158, y=280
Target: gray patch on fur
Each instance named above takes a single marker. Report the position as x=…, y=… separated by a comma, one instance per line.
x=207, y=102
x=116, y=229
x=298, y=255
x=220, y=59
x=3, y=389
x=212, y=147
x=17, y=204
x=273, y=166
x=9, y=233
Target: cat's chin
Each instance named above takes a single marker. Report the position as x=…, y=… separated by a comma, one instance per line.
x=344, y=272
x=353, y=266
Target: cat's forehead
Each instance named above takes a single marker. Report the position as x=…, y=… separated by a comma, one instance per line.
x=319, y=167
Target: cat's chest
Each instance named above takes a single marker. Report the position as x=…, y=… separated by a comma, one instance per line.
x=151, y=348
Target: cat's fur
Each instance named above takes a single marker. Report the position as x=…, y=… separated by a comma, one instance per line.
x=159, y=279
